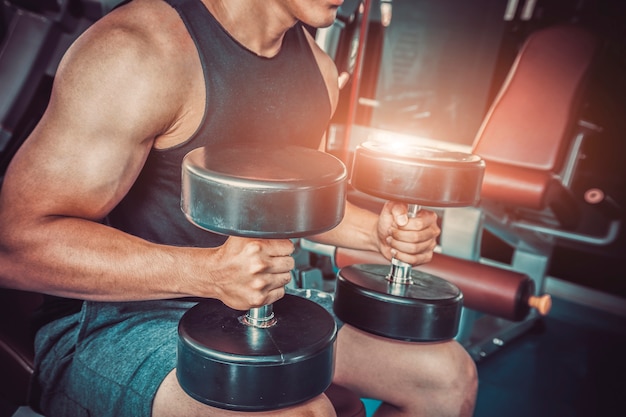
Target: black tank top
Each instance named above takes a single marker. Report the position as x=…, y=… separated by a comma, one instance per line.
x=282, y=100
x=249, y=98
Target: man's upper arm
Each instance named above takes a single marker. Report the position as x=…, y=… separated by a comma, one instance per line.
x=93, y=139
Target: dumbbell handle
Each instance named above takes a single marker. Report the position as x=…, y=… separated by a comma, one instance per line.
x=400, y=272
x=261, y=317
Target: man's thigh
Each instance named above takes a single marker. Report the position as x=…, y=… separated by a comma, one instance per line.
x=382, y=368
x=109, y=359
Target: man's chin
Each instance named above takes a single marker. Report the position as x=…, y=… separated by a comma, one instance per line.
x=327, y=21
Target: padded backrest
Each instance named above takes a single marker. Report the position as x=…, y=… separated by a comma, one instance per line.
x=25, y=53
x=39, y=6
x=530, y=122
x=22, y=63
x=528, y=131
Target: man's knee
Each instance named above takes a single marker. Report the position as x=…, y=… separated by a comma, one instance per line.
x=452, y=382
x=465, y=385
x=457, y=370
x=468, y=374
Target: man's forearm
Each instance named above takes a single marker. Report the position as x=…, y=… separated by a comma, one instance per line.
x=357, y=230
x=81, y=259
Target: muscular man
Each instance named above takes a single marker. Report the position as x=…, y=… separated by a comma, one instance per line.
x=89, y=210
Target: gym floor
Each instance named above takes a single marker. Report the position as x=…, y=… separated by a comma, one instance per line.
x=571, y=364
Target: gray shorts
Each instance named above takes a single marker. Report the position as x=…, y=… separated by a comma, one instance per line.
x=110, y=358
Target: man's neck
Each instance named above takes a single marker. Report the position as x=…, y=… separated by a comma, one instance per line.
x=258, y=25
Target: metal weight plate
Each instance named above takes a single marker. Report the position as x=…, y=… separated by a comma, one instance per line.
x=261, y=191
x=227, y=364
x=426, y=310
x=417, y=175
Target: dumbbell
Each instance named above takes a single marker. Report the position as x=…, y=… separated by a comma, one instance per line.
x=280, y=354
x=398, y=302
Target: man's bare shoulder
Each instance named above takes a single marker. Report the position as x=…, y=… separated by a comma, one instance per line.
x=141, y=30
x=135, y=62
